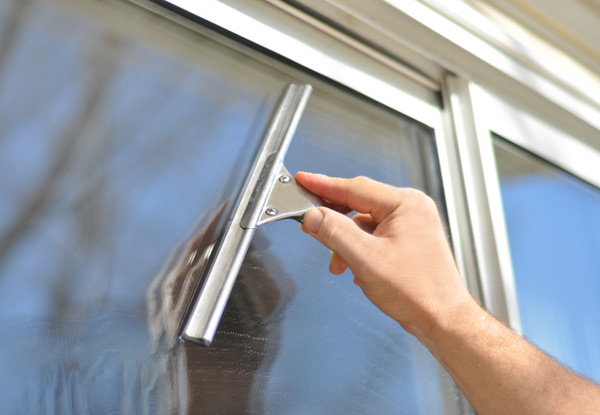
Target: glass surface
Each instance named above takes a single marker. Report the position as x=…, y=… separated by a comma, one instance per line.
x=123, y=136
x=336, y=353
x=553, y=224
x=113, y=144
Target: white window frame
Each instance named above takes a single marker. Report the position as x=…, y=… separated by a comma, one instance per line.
x=493, y=115
x=537, y=136
x=477, y=115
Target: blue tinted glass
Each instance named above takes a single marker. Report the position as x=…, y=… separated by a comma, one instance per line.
x=553, y=222
x=113, y=143
x=325, y=321
x=119, y=133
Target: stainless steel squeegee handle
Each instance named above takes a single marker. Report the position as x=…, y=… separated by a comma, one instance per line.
x=210, y=303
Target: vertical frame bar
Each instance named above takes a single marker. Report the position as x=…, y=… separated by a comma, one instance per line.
x=484, y=204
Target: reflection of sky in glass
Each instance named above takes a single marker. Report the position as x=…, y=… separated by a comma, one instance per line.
x=553, y=225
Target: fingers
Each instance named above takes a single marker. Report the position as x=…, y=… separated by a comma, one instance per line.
x=361, y=194
x=365, y=222
x=340, y=234
x=337, y=265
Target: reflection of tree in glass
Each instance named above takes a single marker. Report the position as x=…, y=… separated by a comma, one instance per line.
x=16, y=11
x=227, y=376
x=99, y=137
x=64, y=150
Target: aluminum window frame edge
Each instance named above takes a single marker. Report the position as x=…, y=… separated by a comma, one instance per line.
x=462, y=237
x=496, y=116
x=450, y=170
x=449, y=183
x=520, y=44
x=484, y=203
x=412, y=24
x=356, y=40
x=554, y=145
x=311, y=57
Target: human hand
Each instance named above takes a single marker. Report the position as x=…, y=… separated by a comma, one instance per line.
x=395, y=246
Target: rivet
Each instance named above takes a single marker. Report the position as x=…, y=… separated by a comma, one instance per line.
x=284, y=179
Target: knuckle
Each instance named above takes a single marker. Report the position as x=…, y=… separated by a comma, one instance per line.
x=422, y=201
x=328, y=231
x=363, y=180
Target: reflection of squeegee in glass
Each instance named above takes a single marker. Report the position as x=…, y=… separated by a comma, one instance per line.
x=269, y=193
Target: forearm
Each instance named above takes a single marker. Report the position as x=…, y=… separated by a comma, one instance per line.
x=501, y=373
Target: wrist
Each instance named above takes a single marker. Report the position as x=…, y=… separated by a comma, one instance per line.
x=447, y=321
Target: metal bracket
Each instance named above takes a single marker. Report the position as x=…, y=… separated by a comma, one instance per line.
x=286, y=200
x=269, y=193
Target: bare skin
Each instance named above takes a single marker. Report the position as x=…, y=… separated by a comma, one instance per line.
x=397, y=250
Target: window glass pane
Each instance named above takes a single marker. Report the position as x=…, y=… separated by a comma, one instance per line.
x=295, y=339
x=112, y=145
x=118, y=131
x=324, y=322
x=553, y=222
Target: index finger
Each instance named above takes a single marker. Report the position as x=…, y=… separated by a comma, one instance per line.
x=361, y=194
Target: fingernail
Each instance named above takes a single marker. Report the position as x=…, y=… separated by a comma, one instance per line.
x=312, y=220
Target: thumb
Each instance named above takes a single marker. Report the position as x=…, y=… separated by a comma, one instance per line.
x=337, y=232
